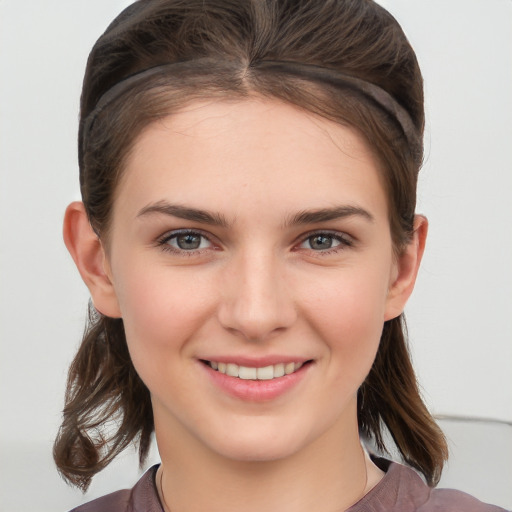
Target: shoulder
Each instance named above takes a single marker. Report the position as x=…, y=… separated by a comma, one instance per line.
x=402, y=490
x=451, y=500
x=143, y=497
x=114, y=502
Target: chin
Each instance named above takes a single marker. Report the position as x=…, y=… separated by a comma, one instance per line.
x=259, y=445
x=256, y=452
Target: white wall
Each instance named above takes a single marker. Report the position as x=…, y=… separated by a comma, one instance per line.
x=460, y=317
x=461, y=313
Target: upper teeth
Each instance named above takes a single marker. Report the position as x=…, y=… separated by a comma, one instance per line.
x=248, y=373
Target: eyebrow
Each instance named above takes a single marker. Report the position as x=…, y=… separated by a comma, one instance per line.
x=326, y=214
x=217, y=219
x=184, y=212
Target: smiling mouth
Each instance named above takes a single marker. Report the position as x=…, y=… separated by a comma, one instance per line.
x=248, y=373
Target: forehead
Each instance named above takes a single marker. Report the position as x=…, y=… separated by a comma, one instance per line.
x=255, y=123
x=216, y=151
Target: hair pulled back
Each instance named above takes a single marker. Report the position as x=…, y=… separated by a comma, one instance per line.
x=220, y=49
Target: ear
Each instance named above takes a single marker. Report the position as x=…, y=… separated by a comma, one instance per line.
x=89, y=256
x=407, y=266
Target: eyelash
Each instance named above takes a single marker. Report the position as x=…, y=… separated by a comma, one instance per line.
x=345, y=241
x=163, y=242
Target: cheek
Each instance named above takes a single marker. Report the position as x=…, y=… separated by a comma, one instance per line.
x=161, y=309
x=348, y=313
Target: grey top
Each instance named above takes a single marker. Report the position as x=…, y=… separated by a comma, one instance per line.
x=400, y=490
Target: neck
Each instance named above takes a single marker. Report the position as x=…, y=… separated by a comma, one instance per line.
x=318, y=477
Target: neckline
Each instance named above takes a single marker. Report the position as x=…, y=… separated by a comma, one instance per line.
x=390, y=468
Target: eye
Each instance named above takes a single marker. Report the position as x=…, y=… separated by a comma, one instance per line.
x=322, y=242
x=326, y=242
x=184, y=241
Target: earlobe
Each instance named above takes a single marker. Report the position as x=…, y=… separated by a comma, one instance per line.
x=89, y=256
x=408, y=264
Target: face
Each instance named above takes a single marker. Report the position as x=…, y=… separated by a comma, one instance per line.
x=251, y=261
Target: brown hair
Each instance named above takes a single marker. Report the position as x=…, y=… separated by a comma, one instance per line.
x=220, y=48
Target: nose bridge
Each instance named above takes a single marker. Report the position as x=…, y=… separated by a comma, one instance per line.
x=258, y=301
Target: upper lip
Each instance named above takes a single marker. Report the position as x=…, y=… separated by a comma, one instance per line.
x=256, y=362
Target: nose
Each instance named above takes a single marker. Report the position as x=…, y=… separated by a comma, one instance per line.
x=257, y=300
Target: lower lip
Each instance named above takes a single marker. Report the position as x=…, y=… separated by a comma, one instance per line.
x=256, y=390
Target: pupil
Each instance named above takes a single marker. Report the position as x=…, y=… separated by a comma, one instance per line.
x=321, y=242
x=188, y=241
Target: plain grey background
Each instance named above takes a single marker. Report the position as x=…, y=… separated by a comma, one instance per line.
x=460, y=316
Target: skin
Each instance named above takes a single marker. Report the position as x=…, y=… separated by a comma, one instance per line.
x=257, y=286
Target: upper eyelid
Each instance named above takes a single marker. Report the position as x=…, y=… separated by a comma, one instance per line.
x=345, y=242
x=162, y=242
x=183, y=231
x=331, y=232
x=340, y=235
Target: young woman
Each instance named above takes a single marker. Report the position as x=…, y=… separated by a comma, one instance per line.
x=248, y=234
